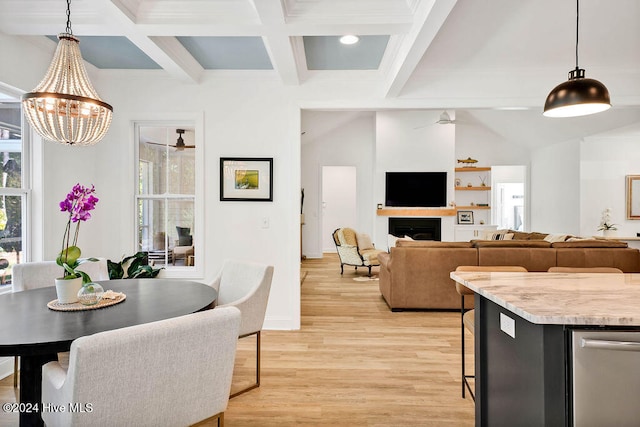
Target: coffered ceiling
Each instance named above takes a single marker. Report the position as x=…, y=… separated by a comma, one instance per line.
x=292, y=37
x=427, y=51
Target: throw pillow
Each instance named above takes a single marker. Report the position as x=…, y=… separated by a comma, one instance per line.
x=364, y=241
x=407, y=237
x=487, y=234
x=500, y=236
x=552, y=238
x=185, y=240
x=183, y=231
x=391, y=241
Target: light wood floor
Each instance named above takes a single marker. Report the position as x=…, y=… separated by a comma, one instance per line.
x=353, y=363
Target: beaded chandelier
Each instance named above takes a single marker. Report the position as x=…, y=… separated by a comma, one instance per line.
x=65, y=107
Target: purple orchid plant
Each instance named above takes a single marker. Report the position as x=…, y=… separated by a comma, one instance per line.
x=78, y=203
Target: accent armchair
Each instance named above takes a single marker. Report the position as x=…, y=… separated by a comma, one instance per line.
x=173, y=372
x=355, y=249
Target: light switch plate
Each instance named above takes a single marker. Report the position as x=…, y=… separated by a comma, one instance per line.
x=508, y=325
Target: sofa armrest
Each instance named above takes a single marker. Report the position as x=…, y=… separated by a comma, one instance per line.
x=385, y=260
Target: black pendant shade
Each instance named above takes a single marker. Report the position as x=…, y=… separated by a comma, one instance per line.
x=578, y=96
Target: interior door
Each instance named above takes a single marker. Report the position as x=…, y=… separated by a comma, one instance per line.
x=338, y=202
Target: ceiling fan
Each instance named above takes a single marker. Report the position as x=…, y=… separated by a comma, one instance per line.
x=445, y=119
x=179, y=145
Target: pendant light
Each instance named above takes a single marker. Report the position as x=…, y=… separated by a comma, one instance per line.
x=65, y=107
x=578, y=96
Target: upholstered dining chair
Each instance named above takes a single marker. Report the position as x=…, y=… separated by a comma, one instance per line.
x=34, y=275
x=164, y=373
x=246, y=285
x=467, y=317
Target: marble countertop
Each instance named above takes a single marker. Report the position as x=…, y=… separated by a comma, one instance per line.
x=561, y=298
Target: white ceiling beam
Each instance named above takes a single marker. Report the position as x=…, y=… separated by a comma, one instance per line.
x=429, y=19
x=277, y=42
x=167, y=52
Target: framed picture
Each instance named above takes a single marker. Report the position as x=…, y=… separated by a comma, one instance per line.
x=246, y=179
x=633, y=196
x=465, y=217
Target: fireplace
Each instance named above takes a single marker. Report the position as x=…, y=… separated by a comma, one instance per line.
x=416, y=228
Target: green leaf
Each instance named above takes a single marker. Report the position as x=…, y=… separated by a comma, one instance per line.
x=138, y=268
x=69, y=256
x=85, y=277
x=115, y=270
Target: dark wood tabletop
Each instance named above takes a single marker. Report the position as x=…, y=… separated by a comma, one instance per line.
x=28, y=328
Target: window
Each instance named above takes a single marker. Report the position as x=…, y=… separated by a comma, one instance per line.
x=166, y=194
x=13, y=189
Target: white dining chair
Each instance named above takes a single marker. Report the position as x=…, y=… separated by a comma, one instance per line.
x=246, y=285
x=164, y=373
x=34, y=275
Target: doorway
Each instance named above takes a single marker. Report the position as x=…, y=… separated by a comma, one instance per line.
x=509, y=197
x=338, y=202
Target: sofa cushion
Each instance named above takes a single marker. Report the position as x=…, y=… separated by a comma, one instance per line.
x=531, y=258
x=511, y=244
x=370, y=256
x=590, y=243
x=626, y=259
x=431, y=244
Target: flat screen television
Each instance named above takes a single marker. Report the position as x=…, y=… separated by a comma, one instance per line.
x=416, y=189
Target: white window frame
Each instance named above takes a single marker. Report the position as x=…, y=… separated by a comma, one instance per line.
x=195, y=121
x=24, y=192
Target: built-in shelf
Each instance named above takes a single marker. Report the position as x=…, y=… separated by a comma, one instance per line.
x=479, y=169
x=472, y=207
x=485, y=188
x=416, y=212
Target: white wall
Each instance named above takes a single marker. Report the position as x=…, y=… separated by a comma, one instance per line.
x=605, y=160
x=555, y=189
x=408, y=141
x=478, y=142
x=336, y=138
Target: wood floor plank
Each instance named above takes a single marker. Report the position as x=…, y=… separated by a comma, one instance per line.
x=353, y=363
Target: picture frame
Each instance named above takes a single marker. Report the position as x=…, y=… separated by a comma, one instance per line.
x=246, y=179
x=633, y=196
x=465, y=217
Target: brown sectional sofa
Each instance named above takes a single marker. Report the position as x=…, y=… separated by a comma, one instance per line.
x=415, y=274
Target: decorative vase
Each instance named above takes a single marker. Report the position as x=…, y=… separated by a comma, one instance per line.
x=67, y=290
x=609, y=233
x=90, y=294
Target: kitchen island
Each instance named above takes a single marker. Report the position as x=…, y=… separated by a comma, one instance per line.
x=556, y=349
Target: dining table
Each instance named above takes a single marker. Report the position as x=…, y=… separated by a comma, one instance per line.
x=36, y=333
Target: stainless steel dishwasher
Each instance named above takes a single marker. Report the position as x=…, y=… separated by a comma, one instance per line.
x=606, y=378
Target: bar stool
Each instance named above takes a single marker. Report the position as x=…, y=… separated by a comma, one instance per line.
x=467, y=317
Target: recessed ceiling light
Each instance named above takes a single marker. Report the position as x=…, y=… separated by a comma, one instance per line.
x=349, y=39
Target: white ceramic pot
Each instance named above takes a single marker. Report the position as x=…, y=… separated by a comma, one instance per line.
x=609, y=233
x=67, y=290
